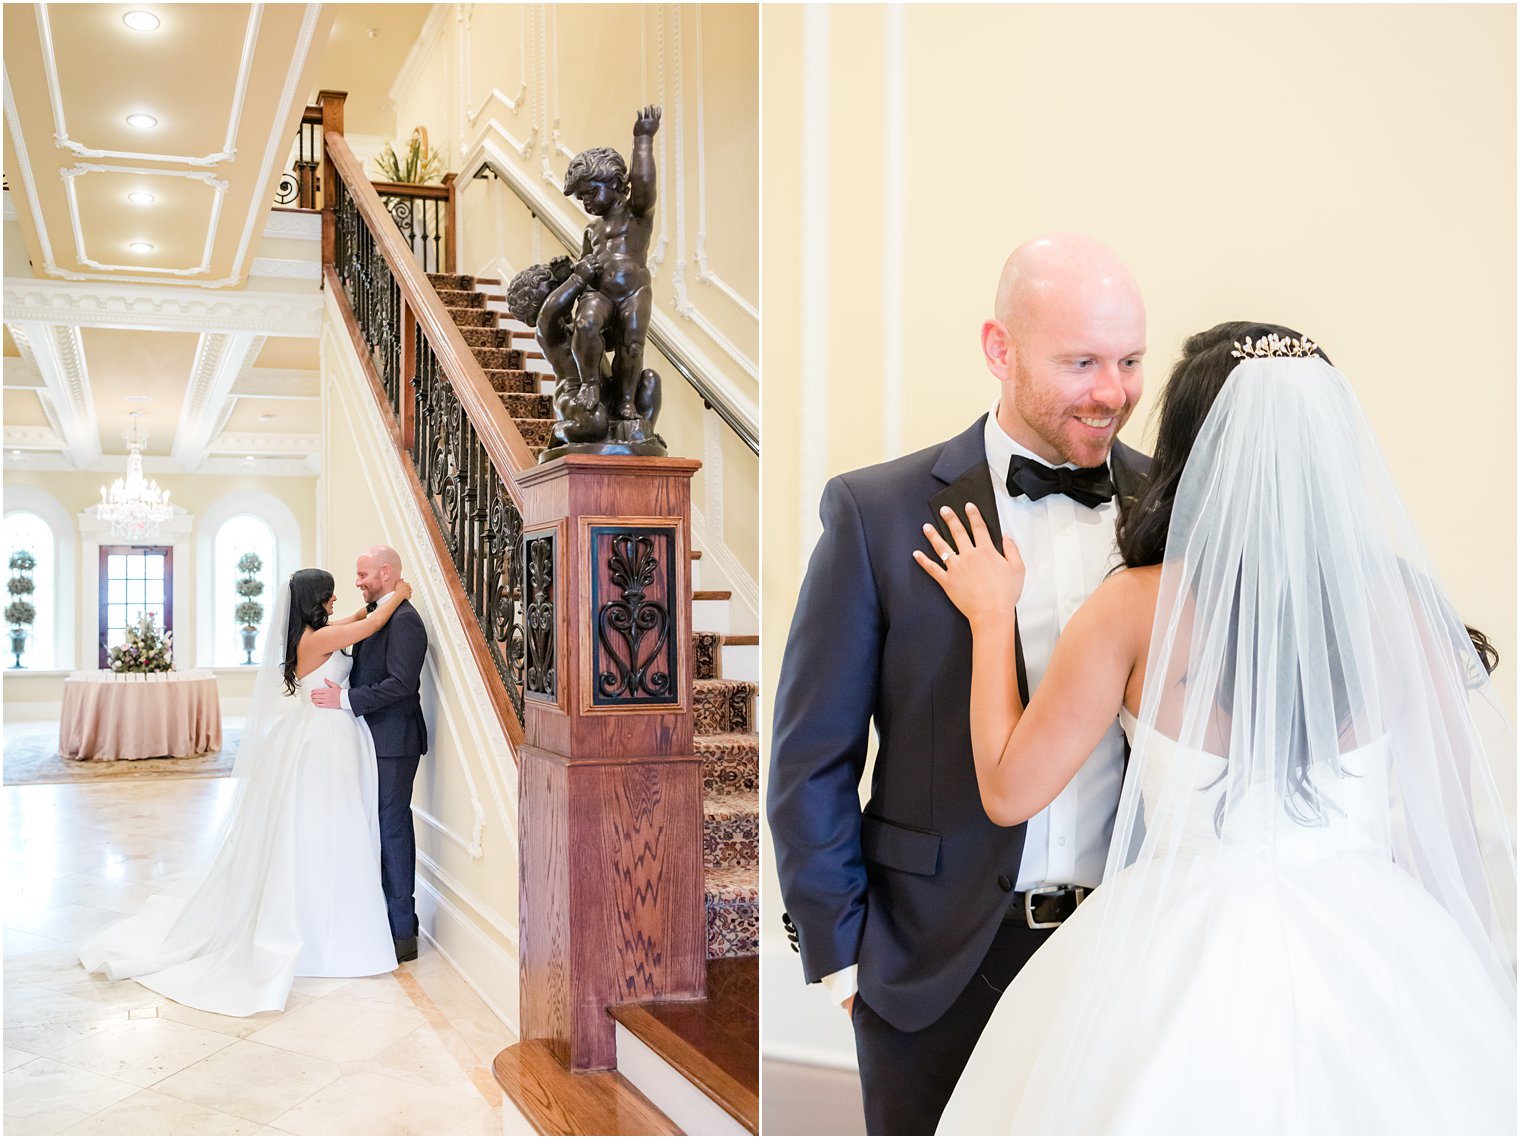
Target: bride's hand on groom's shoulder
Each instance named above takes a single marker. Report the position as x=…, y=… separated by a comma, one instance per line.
x=404, y=590
x=982, y=583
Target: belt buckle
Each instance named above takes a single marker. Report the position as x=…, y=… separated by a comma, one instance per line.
x=1080, y=892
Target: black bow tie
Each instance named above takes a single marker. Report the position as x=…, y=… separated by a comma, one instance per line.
x=1090, y=486
x=369, y=606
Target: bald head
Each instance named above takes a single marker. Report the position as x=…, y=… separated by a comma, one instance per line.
x=1056, y=271
x=376, y=572
x=1065, y=343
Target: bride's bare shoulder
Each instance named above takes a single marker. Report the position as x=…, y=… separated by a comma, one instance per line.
x=1128, y=595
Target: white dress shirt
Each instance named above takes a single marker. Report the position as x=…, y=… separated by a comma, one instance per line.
x=343, y=696
x=1068, y=549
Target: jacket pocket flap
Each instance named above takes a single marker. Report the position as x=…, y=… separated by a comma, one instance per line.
x=900, y=847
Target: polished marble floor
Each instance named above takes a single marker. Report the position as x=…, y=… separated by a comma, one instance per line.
x=408, y=1053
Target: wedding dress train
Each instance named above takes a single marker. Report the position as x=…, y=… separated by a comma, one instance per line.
x=1291, y=980
x=293, y=888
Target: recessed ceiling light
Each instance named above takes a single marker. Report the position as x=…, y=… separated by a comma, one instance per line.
x=141, y=197
x=265, y=418
x=247, y=458
x=140, y=21
x=16, y=454
x=142, y=122
x=140, y=247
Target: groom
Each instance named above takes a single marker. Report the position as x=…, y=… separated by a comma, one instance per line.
x=917, y=911
x=384, y=688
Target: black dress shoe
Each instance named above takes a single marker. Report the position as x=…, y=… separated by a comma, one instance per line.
x=406, y=948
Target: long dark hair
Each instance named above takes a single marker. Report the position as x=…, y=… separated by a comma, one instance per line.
x=1190, y=392
x=309, y=591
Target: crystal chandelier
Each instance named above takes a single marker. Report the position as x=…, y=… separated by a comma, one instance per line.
x=134, y=506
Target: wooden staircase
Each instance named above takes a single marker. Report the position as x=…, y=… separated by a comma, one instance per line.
x=697, y=1059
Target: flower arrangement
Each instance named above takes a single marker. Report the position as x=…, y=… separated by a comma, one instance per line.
x=144, y=650
x=21, y=612
x=419, y=164
x=249, y=612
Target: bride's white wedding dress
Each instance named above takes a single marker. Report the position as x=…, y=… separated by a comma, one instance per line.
x=1292, y=979
x=293, y=889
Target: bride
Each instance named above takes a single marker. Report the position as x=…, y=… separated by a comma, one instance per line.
x=1306, y=922
x=293, y=889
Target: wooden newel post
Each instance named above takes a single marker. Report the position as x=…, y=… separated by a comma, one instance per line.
x=331, y=103
x=610, y=794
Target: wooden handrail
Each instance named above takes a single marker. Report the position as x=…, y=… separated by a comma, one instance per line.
x=499, y=436
x=432, y=190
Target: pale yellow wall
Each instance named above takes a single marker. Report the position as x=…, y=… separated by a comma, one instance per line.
x=465, y=798
x=515, y=77
x=1347, y=170
x=78, y=490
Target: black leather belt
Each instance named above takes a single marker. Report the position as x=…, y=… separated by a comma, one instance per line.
x=1045, y=907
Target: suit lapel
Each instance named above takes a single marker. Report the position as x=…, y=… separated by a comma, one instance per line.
x=967, y=454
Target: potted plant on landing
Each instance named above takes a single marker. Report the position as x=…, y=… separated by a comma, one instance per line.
x=417, y=165
x=20, y=613
x=249, y=612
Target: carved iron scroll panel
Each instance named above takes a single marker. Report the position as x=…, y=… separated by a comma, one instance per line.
x=635, y=656
x=540, y=597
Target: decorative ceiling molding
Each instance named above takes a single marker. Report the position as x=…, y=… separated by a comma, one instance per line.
x=163, y=307
x=219, y=359
x=284, y=466
x=286, y=107
x=21, y=374
x=240, y=442
x=8, y=208
x=58, y=352
x=79, y=169
x=278, y=383
x=298, y=226
x=412, y=68
x=60, y=129
x=24, y=163
x=34, y=438
x=287, y=268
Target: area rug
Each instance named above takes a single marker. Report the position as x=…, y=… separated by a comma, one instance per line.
x=32, y=757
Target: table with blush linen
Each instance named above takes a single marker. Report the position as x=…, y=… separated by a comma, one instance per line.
x=134, y=715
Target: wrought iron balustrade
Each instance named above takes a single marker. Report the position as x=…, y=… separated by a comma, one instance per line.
x=448, y=422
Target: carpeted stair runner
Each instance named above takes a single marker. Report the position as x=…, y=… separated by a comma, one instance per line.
x=502, y=353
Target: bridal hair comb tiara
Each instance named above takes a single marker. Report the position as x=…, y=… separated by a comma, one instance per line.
x=1274, y=345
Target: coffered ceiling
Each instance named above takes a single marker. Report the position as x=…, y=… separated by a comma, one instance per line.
x=145, y=269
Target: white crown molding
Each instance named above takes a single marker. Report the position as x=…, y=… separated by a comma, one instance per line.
x=219, y=359
x=60, y=128
x=21, y=374
x=278, y=383
x=245, y=441
x=163, y=308
x=288, y=104
x=58, y=353
x=302, y=226
x=286, y=268
x=287, y=108
x=8, y=207
x=33, y=438
x=80, y=169
x=44, y=461
x=24, y=166
x=412, y=67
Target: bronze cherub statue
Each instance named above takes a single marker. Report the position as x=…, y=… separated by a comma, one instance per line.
x=601, y=303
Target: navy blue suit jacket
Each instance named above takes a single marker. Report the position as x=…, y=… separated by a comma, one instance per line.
x=913, y=887
x=385, y=684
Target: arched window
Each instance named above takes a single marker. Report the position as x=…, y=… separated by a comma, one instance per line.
x=239, y=536
x=25, y=531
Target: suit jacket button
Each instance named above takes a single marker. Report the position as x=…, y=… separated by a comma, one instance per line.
x=1005, y=883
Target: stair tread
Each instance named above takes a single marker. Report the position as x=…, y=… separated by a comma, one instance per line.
x=714, y=1043
x=556, y=1102
x=741, y=638
x=731, y=803
x=711, y=594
